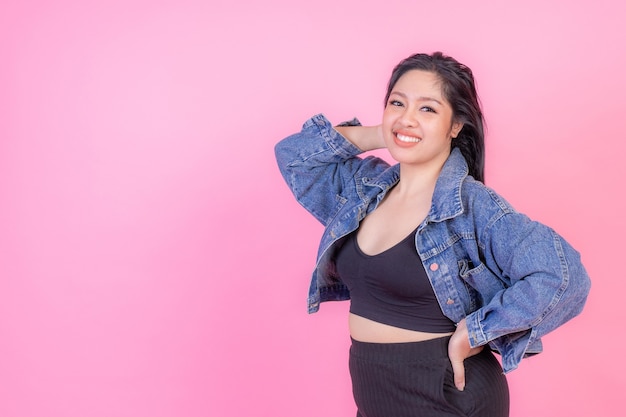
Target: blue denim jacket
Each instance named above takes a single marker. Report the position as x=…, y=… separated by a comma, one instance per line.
x=513, y=279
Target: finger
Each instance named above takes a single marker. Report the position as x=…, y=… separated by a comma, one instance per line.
x=458, y=370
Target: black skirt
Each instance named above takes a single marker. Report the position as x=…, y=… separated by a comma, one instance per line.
x=416, y=380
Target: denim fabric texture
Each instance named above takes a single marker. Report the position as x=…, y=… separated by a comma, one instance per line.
x=513, y=279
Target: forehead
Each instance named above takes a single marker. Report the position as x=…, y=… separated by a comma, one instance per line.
x=420, y=83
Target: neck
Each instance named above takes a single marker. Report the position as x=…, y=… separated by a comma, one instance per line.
x=417, y=180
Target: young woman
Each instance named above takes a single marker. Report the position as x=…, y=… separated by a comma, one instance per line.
x=440, y=269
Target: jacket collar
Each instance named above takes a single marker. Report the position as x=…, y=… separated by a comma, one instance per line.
x=447, y=202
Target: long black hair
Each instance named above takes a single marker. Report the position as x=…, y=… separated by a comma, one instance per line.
x=458, y=88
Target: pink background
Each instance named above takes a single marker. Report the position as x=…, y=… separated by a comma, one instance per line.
x=152, y=261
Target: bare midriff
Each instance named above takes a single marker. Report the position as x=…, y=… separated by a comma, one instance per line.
x=366, y=330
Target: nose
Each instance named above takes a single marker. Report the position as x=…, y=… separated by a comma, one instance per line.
x=409, y=117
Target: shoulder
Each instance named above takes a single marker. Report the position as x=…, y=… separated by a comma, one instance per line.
x=489, y=212
x=479, y=196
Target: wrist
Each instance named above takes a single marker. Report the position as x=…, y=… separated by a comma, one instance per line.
x=366, y=138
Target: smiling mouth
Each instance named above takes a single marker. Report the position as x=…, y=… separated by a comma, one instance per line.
x=407, y=139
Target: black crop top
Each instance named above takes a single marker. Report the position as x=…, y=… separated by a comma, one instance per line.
x=391, y=287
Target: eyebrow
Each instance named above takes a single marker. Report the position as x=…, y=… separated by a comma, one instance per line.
x=421, y=98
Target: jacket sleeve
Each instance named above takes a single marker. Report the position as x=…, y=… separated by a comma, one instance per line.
x=544, y=279
x=319, y=164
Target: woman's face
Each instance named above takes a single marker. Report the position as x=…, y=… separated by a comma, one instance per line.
x=417, y=121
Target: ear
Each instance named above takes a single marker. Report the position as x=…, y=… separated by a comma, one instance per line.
x=456, y=128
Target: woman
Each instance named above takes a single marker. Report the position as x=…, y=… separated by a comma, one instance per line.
x=440, y=270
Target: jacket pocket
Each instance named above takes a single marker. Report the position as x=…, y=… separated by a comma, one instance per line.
x=481, y=279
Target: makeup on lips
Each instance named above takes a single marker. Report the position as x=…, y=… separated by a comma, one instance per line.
x=404, y=140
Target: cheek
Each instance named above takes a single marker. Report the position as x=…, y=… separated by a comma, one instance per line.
x=387, y=127
x=385, y=121
x=389, y=119
x=444, y=128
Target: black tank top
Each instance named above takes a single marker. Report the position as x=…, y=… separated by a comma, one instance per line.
x=391, y=287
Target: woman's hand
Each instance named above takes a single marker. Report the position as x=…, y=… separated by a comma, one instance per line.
x=366, y=138
x=459, y=349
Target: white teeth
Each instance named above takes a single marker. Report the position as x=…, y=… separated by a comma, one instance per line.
x=410, y=139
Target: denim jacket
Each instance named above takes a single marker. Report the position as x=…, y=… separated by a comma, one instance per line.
x=513, y=279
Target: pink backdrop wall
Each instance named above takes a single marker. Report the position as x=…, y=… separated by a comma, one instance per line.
x=153, y=263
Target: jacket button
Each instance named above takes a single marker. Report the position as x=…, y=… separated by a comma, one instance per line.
x=450, y=301
x=434, y=267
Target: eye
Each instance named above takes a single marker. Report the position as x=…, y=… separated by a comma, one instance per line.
x=395, y=103
x=427, y=109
